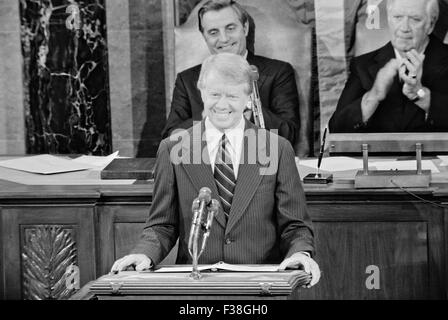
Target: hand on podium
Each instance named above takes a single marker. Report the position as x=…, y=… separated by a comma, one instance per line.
x=302, y=261
x=140, y=261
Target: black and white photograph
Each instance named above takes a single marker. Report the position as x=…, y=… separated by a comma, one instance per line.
x=223, y=154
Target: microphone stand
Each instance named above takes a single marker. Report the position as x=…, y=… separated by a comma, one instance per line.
x=201, y=224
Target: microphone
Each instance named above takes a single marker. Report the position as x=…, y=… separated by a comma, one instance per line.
x=255, y=74
x=213, y=210
x=204, y=210
x=195, y=222
x=204, y=197
x=255, y=101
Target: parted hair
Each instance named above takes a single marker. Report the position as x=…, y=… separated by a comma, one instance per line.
x=231, y=67
x=216, y=5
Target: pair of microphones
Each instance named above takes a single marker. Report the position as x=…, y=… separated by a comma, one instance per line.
x=204, y=209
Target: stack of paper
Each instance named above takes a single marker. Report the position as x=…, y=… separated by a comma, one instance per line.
x=49, y=164
x=333, y=164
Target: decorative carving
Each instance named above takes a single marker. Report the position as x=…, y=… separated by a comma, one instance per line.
x=47, y=252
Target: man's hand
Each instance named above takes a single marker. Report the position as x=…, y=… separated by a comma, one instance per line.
x=411, y=72
x=383, y=83
x=385, y=79
x=140, y=261
x=301, y=261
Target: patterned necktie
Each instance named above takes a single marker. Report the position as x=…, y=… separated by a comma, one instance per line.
x=224, y=176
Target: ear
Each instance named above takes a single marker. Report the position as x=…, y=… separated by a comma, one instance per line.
x=432, y=25
x=202, y=94
x=246, y=28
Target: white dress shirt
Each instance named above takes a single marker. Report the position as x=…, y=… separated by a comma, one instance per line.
x=235, y=137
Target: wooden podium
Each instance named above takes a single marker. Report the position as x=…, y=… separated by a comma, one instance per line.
x=213, y=285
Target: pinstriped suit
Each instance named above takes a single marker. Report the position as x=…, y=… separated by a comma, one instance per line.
x=268, y=219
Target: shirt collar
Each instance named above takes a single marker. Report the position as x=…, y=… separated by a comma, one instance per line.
x=234, y=135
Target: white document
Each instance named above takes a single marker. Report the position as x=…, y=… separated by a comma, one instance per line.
x=44, y=164
x=96, y=161
x=333, y=164
x=220, y=266
x=404, y=165
x=444, y=162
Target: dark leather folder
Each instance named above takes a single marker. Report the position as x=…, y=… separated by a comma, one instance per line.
x=133, y=168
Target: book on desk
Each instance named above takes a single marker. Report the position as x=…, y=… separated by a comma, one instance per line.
x=132, y=168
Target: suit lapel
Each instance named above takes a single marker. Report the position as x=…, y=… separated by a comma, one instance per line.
x=199, y=169
x=249, y=177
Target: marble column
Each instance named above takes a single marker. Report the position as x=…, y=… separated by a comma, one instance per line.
x=120, y=82
x=137, y=89
x=66, y=80
x=12, y=123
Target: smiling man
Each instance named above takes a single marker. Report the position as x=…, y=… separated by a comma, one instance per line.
x=262, y=218
x=403, y=86
x=224, y=25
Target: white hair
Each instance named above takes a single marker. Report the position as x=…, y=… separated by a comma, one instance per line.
x=231, y=67
x=432, y=9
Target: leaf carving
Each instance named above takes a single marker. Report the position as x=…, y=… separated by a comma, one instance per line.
x=46, y=254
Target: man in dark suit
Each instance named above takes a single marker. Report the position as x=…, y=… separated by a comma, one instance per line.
x=263, y=216
x=224, y=25
x=403, y=86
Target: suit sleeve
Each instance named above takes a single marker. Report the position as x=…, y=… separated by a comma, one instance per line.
x=438, y=112
x=161, y=229
x=283, y=110
x=348, y=116
x=294, y=224
x=180, y=115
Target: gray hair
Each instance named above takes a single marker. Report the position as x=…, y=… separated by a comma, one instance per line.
x=432, y=9
x=230, y=66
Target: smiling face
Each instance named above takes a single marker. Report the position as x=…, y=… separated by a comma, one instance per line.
x=224, y=32
x=224, y=101
x=409, y=24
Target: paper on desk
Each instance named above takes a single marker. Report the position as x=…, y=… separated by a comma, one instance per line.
x=333, y=164
x=444, y=162
x=44, y=164
x=404, y=165
x=96, y=161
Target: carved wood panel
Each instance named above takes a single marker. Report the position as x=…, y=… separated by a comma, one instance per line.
x=49, y=256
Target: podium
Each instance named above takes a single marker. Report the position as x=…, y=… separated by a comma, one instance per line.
x=214, y=285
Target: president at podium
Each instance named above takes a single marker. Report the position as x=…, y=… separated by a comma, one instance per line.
x=262, y=217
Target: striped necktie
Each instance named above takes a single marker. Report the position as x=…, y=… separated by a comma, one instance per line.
x=224, y=176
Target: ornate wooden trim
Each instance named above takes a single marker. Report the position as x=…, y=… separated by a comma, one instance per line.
x=48, y=252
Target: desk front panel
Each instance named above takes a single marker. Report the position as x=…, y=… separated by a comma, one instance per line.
x=48, y=251
x=403, y=238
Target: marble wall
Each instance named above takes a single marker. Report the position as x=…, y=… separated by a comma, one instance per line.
x=65, y=74
x=81, y=76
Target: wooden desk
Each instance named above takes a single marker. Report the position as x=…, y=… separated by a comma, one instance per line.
x=92, y=225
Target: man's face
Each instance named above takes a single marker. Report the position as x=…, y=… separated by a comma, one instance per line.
x=224, y=32
x=409, y=24
x=224, y=102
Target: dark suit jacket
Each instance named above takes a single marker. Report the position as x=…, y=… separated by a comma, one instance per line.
x=278, y=94
x=396, y=113
x=268, y=219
